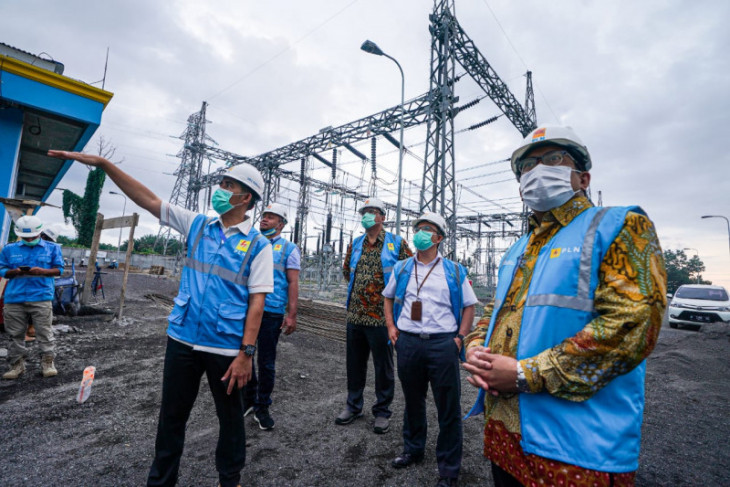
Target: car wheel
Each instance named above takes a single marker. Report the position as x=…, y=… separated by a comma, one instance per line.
x=672, y=325
x=695, y=327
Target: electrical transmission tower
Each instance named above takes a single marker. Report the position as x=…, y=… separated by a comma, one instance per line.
x=450, y=45
x=437, y=109
x=185, y=193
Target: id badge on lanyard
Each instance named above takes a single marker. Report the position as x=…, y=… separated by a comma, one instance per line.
x=417, y=304
x=416, y=310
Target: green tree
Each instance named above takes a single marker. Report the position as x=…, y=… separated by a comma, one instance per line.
x=82, y=210
x=146, y=245
x=682, y=270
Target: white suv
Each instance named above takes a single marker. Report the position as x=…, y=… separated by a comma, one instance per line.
x=694, y=305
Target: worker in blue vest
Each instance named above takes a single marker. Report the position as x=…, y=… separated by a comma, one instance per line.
x=368, y=264
x=30, y=265
x=280, y=314
x=429, y=307
x=228, y=270
x=578, y=307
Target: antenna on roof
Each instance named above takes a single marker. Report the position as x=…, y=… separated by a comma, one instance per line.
x=106, y=63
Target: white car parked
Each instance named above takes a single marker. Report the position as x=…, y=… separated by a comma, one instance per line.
x=694, y=305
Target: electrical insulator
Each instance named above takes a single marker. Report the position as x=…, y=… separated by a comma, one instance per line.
x=373, y=147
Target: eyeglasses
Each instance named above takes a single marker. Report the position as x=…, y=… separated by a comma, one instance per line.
x=426, y=228
x=371, y=211
x=552, y=158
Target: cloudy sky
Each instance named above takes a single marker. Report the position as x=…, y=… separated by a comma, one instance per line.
x=643, y=83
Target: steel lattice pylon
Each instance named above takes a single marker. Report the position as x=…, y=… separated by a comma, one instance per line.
x=438, y=189
x=185, y=192
x=450, y=45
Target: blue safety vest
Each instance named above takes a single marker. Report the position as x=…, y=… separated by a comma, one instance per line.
x=388, y=257
x=604, y=432
x=210, y=308
x=455, y=276
x=276, y=302
x=20, y=289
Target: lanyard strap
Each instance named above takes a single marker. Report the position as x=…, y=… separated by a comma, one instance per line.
x=418, y=287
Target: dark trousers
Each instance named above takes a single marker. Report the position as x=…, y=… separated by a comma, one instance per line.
x=258, y=391
x=361, y=340
x=502, y=478
x=180, y=384
x=432, y=361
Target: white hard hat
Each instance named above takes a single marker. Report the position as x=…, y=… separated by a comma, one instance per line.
x=248, y=175
x=51, y=233
x=373, y=203
x=434, y=218
x=555, y=135
x=276, y=209
x=28, y=226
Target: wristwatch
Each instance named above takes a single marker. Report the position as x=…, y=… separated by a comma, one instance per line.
x=522, y=385
x=460, y=337
x=248, y=350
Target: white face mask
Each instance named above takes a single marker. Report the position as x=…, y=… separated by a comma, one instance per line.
x=546, y=187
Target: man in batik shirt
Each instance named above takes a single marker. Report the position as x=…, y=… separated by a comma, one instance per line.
x=368, y=264
x=578, y=308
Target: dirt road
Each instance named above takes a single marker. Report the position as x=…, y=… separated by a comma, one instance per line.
x=49, y=439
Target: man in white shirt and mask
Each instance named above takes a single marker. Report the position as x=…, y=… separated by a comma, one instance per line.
x=429, y=307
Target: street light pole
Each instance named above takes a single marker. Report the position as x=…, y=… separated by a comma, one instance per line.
x=124, y=209
x=372, y=48
x=726, y=221
x=697, y=253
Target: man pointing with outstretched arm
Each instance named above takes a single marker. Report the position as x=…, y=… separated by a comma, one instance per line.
x=215, y=322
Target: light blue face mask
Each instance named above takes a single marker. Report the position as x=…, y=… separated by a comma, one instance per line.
x=422, y=240
x=32, y=243
x=368, y=220
x=269, y=232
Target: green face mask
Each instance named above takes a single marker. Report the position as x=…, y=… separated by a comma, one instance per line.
x=368, y=220
x=422, y=240
x=220, y=201
x=32, y=243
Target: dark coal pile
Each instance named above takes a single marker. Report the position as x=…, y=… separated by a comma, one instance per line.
x=50, y=439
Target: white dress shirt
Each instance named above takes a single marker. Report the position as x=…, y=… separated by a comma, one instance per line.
x=436, y=315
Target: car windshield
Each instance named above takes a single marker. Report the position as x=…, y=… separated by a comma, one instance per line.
x=708, y=294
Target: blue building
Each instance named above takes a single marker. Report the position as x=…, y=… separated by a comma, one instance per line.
x=40, y=109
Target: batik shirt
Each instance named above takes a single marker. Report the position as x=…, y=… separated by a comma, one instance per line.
x=630, y=300
x=366, y=301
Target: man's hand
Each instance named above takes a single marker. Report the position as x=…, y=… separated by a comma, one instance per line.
x=289, y=325
x=88, y=159
x=492, y=372
x=459, y=343
x=239, y=372
x=393, y=334
x=11, y=273
x=38, y=271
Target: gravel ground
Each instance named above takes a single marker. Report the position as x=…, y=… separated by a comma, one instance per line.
x=49, y=439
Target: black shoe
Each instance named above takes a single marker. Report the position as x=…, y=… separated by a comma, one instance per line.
x=247, y=408
x=447, y=482
x=263, y=419
x=406, y=460
x=347, y=417
x=381, y=425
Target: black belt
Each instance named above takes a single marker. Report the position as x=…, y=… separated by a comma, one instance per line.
x=429, y=336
